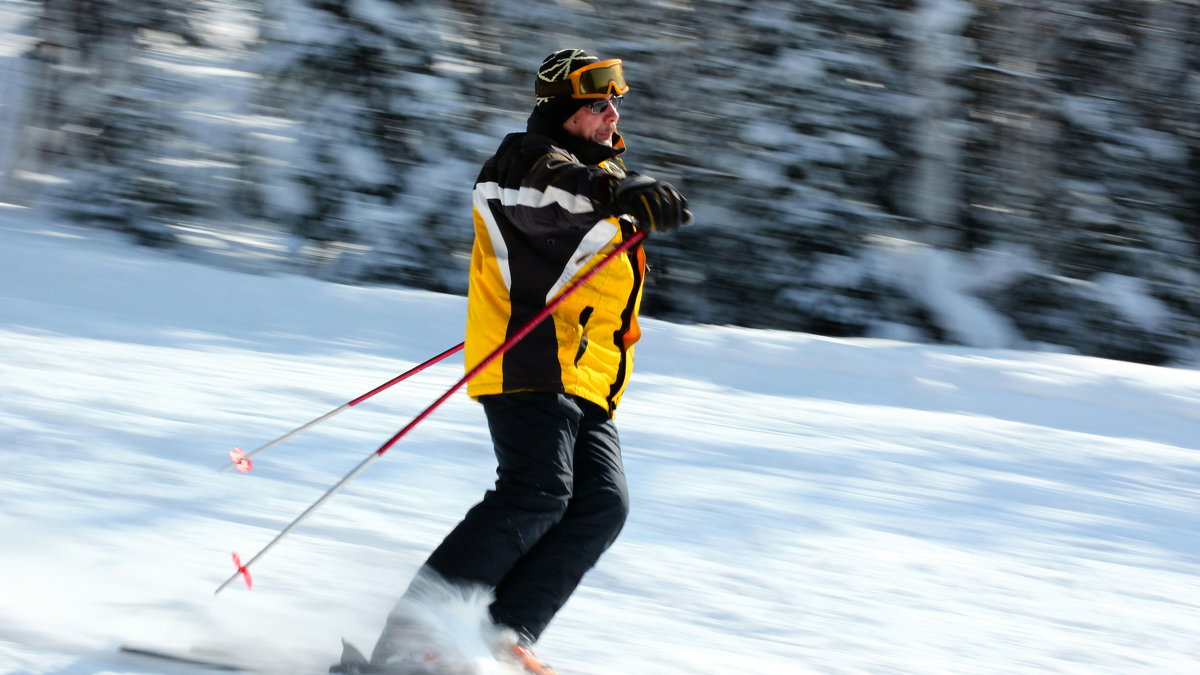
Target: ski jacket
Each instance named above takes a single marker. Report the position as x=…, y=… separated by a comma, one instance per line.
x=541, y=220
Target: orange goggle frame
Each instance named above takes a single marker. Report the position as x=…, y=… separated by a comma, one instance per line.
x=595, y=80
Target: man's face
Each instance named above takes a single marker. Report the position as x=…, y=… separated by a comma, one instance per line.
x=595, y=127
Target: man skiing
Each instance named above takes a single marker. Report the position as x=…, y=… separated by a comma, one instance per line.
x=547, y=206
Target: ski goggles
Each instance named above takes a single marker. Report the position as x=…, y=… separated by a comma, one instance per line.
x=595, y=80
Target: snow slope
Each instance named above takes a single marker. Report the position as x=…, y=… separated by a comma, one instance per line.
x=801, y=504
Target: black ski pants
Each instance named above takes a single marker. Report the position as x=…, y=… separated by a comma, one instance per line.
x=559, y=502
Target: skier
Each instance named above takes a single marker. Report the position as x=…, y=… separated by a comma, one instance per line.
x=550, y=202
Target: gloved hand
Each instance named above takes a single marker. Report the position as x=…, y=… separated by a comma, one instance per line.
x=655, y=204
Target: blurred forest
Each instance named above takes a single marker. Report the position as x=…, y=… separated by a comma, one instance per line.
x=996, y=173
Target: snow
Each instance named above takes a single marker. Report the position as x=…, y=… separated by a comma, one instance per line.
x=362, y=164
x=1132, y=298
x=800, y=504
x=945, y=282
x=799, y=69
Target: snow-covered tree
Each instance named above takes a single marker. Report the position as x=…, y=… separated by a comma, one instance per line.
x=875, y=167
x=779, y=116
x=372, y=162
x=101, y=118
x=1082, y=155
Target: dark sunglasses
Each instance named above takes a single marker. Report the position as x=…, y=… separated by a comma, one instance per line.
x=599, y=107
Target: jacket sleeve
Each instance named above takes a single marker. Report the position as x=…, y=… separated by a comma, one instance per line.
x=559, y=193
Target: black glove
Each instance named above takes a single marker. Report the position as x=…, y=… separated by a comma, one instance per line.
x=655, y=204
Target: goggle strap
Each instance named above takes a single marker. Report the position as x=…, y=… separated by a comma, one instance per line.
x=552, y=89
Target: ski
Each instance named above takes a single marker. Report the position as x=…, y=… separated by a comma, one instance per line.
x=175, y=657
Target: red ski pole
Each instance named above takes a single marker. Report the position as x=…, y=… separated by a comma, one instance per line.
x=240, y=459
x=243, y=570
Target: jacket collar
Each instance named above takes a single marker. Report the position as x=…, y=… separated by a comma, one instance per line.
x=587, y=151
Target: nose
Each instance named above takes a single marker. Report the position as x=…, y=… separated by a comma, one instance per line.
x=610, y=113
